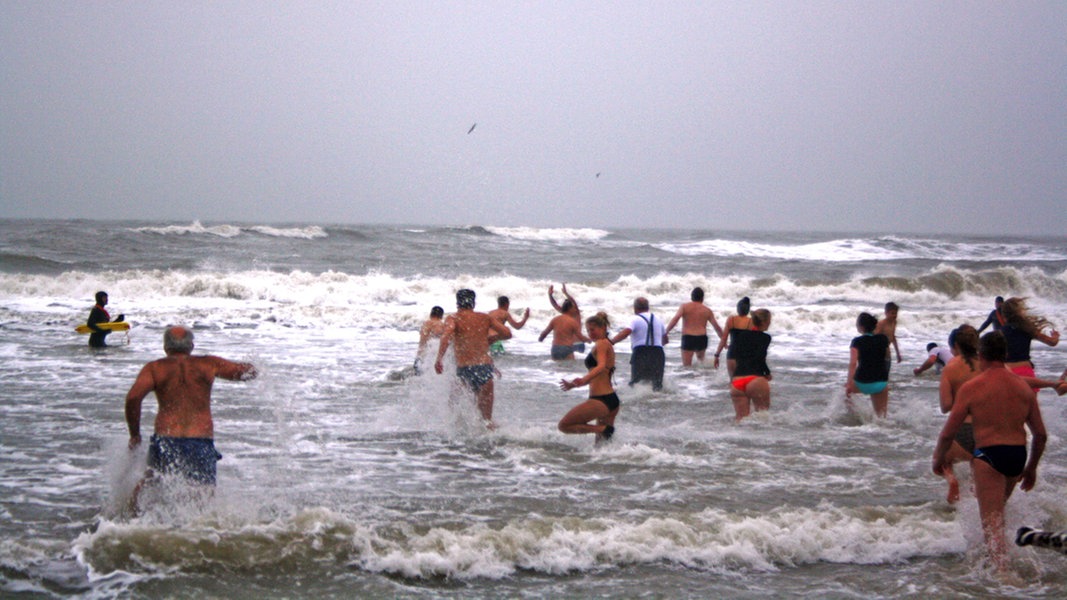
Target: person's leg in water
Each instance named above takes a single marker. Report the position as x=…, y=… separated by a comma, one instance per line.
x=484, y=397
x=759, y=392
x=956, y=454
x=880, y=403
x=742, y=404
x=579, y=418
x=992, y=489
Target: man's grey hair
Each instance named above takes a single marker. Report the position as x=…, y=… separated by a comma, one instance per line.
x=178, y=339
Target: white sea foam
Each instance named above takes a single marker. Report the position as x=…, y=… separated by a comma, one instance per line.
x=229, y=231
x=549, y=235
x=886, y=248
x=708, y=539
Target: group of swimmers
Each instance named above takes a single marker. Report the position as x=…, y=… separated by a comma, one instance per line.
x=743, y=336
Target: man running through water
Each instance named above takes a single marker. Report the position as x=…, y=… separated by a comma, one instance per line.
x=183, y=438
x=474, y=367
x=1001, y=406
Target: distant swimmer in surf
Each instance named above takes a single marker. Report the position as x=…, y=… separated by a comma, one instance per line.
x=568, y=309
x=432, y=329
x=1002, y=407
x=888, y=327
x=603, y=404
x=937, y=357
x=183, y=439
x=995, y=318
x=98, y=314
x=868, y=369
x=739, y=322
x=695, y=316
x=502, y=314
x=566, y=330
x=470, y=331
x=1019, y=329
x=750, y=385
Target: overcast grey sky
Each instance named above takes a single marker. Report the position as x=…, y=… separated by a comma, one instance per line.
x=893, y=116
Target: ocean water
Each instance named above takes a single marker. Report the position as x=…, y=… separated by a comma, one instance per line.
x=344, y=476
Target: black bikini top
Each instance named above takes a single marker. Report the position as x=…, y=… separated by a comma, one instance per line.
x=590, y=362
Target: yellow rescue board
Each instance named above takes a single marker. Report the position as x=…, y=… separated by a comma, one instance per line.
x=120, y=326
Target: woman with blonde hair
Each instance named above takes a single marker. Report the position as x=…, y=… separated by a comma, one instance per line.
x=603, y=404
x=750, y=385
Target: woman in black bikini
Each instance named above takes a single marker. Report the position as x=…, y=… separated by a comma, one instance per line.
x=603, y=404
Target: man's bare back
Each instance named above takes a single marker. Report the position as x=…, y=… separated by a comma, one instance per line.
x=999, y=403
x=182, y=385
x=565, y=330
x=470, y=330
x=695, y=317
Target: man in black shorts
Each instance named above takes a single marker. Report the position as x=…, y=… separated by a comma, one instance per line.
x=1001, y=406
x=695, y=317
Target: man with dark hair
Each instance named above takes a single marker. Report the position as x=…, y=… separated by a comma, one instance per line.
x=474, y=367
x=695, y=317
x=431, y=329
x=1001, y=407
x=647, y=360
x=183, y=437
x=502, y=315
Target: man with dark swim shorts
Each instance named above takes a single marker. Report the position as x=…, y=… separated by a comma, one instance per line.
x=474, y=367
x=1001, y=406
x=183, y=441
x=695, y=317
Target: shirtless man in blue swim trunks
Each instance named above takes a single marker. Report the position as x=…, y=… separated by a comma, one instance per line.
x=474, y=367
x=183, y=438
x=1001, y=406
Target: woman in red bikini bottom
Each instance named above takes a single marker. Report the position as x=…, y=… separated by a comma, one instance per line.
x=750, y=386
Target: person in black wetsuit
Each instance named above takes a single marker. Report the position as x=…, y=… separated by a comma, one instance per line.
x=995, y=318
x=98, y=314
x=603, y=404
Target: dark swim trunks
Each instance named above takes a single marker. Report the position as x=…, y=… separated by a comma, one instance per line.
x=562, y=352
x=610, y=400
x=192, y=458
x=694, y=343
x=475, y=376
x=1009, y=461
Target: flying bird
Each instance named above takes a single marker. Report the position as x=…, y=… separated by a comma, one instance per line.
x=471, y=129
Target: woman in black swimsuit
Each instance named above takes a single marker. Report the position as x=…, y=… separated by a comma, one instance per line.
x=602, y=405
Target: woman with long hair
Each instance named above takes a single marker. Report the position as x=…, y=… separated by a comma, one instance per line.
x=1019, y=329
